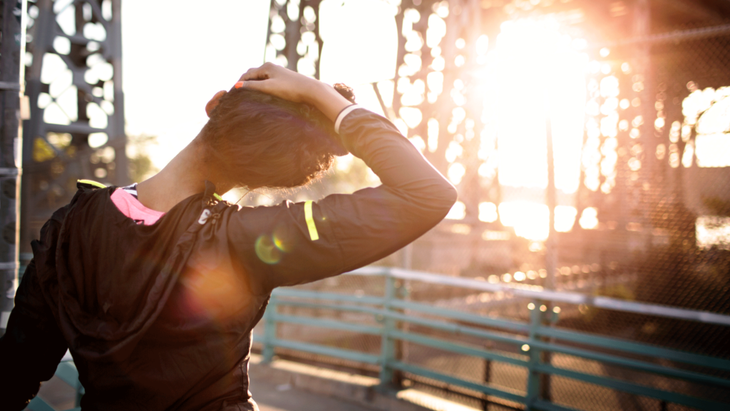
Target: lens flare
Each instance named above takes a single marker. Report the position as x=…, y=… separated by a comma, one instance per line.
x=212, y=293
x=266, y=250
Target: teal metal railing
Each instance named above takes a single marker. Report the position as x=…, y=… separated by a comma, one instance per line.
x=67, y=372
x=536, y=340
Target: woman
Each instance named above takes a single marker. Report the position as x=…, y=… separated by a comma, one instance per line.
x=156, y=296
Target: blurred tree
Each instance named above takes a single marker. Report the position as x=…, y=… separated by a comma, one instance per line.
x=348, y=174
x=138, y=153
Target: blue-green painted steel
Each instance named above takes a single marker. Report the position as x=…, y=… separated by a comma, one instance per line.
x=636, y=364
x=533, y=377
x=67, y=372
x=336, y=307
x=549, y=406
x=387, y=344
x=636, y=348
x=39, y=405
x=269, y=331
x=461, y=316
x=283, y=292
x=316, y=322
x=541, y=338
x=631, y=388
x=457, y=348
x=330, y=351
x=502, y=393
x=459, y=329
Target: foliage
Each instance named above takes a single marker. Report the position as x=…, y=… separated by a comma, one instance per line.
x=141, y=166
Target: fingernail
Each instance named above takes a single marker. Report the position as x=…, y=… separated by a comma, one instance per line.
x=239, y=84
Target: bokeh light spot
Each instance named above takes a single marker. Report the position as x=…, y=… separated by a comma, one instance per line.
x=266, y=250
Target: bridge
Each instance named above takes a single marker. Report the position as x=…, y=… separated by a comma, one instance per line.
x=534, y=351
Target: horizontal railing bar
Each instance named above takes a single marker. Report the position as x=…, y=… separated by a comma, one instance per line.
x=340, y=307
x=537, y=292
x=416, y=307
x=549, y=406
x=413, y=369
x=635, y=364
x=338, y=325
x=530, y=291
x=456, y=329
x=38, y=404
x=457, y=348
x=281, y=292
x=632, y=388
x=456, y=315
x=330, y=351
x=670, y=37
x=440, y=325
x=660, y=310
x=636, y=348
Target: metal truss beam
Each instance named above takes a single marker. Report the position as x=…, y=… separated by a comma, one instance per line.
x=11, y=49
x=74, y=83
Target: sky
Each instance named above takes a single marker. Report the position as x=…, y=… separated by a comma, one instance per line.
x=177, y=54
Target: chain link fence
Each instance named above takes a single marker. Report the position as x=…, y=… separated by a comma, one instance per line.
x=651, y=224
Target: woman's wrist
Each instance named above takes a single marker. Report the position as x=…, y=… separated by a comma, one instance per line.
x=326, y=99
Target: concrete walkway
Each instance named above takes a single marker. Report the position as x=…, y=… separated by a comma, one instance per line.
x=290, y=386
x=284, y=397
x=269, y=396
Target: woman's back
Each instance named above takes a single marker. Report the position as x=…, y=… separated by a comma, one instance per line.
x=160, y=316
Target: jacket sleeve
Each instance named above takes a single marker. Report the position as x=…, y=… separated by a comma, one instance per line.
x=294, y=243
x=31, y=347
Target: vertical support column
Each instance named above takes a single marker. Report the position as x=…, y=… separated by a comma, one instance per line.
x=11, y=80
x=116, y=120
x=551, y=245
x=534, y=380
x=83, y=134
x=293, y=38
x=269, y=330
x=387, y=347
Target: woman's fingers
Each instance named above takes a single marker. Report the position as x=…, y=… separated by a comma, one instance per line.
x=259, y=73
x=278, y=81
x=213, y=103
x=259, y=85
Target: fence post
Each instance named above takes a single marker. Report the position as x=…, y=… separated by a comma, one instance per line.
x=269, y=330
x=487, y=375
x=534, y=381
x=387, y=345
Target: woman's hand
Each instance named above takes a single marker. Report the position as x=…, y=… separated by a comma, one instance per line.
x=290, y=85
x=279, y=81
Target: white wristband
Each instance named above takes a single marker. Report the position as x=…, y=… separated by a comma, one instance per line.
x=347, y=110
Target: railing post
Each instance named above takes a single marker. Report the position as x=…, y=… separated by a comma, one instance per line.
x=269, y=330
x=387, y=345
x=534, y=381
x=487, y=375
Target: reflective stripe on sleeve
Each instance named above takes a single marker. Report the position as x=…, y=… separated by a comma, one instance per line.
x=310, y=221
x=92, y=183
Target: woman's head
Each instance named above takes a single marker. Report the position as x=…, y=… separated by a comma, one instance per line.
x=257, y=140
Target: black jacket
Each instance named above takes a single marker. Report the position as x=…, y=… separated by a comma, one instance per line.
x=160, y=317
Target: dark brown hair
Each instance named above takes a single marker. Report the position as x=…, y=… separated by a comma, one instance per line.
x=257, y=140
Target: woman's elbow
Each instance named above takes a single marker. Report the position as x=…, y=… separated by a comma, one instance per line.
x=445, y=197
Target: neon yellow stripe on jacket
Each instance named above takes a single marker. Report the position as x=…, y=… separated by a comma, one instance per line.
x=313, y=234
x=92, y=182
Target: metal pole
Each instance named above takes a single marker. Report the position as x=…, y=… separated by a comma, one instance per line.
x=11, y=81
x=551, y=245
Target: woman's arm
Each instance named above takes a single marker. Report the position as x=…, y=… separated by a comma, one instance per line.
x=296, y=243
x=292, y=86
x=32, y=345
